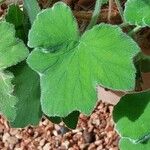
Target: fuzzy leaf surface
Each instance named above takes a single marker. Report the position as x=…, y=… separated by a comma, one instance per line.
x=53, y=28
x=69, y=76
x=137, y=12
x=16, y=16
x=27, y=90
x=12, y=51
x=7, y=99
x=126, y=144
x=131, y=115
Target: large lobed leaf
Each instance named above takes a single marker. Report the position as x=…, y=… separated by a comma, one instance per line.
x=70, y=73
x=12, y=51
x=131, y=116
x=137, y=12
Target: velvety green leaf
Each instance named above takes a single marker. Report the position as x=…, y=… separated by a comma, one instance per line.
x=131, y=115
x=126, y=144
x=12, y=50
x=16, y=17
x=55, y=119
x=32, y=8
x=7, y=99
x=53, y=28
x=69, y=76
x=104, y=1
x=137, y=12
x=27, y=90
x=1, y=1
x=72, y=119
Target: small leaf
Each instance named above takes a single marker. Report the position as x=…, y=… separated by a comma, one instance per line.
x=7, y=99
x=12, y=50
x=16, y=17
x=53, y=28
x=72, y=119
x=126, y=144
x=55, y=119
x=27, y=90
x=32, y=8
x=69, y=75
x=69, y=122
x=131, y=115
x=137, y=12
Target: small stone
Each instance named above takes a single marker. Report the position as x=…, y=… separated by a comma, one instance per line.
x=5, y=137
x=99, y=142
x=12, y=140
x=66, y=144
x=18, y=149
x=89, y=137
x=100, y=147
x=47, y=146
x=55, y=133
x=13, y=131
x=42, y=142
x=114, y=148
x=91, y=147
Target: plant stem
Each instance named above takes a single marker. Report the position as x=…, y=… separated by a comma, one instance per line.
x=120, y=9
x=95, y=14
x=32, y=8
x=134, y=31
x=110, y=10
x=123, y=25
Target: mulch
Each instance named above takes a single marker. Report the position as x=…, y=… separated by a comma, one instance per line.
x=92, y=133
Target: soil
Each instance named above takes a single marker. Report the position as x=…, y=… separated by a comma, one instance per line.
x=92, y=133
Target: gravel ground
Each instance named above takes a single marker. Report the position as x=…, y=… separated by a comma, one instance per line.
x=92, y=133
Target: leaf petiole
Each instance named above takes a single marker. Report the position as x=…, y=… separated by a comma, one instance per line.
x=120, y=9
x=134, y=31
x=95, y=14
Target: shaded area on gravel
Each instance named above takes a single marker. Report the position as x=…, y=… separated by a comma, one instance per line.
x=93, y=133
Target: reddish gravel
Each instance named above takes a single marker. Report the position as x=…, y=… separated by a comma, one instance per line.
x=93, y=133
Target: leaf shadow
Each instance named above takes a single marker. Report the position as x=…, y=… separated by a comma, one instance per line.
x=131, y=106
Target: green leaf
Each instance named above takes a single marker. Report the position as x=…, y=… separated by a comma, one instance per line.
x=25, y=80
x=72, y=119
x=16, y=17
x=32, y=8
x=69, y=75
x=55, y=119
x=27, y=90
x=53, y=28
x=104, y=1
x=7, y=99
x=145, y=64
x=131, y=115
x=69, y=122
x=137, y=12
x=12, y=51
x=126, y=144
